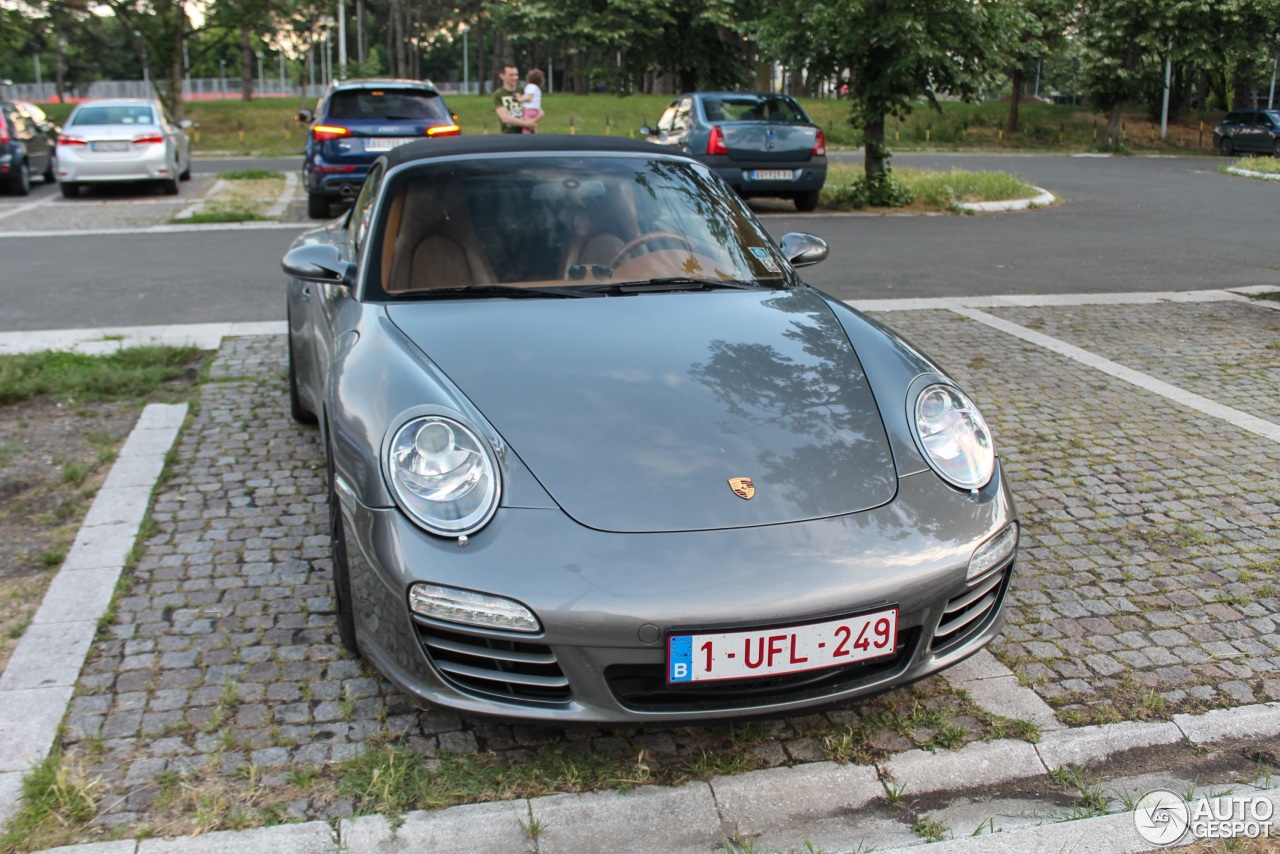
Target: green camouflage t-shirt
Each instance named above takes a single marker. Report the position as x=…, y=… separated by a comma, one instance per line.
x=503, y=98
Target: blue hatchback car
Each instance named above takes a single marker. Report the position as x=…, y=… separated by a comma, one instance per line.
x=356, y=122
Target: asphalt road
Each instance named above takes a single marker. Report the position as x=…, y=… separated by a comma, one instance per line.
x=1124, y=224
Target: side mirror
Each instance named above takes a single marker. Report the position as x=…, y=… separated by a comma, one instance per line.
x=186, y=124
x=319, y=262
x=304, y=116
x=645, y=130
x=802, y=250
x=45, y=127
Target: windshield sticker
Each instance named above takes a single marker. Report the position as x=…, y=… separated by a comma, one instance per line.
x=766, y=261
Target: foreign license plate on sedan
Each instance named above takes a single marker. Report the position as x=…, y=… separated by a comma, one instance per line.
x=770, y=175
x=784, y=649
x=111, y=146
x=386, y=143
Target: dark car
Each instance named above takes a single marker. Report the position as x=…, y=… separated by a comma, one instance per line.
x=1256, y=131
x=25, y=149
x=356, y=122
x=761, y=144
x=597, y=453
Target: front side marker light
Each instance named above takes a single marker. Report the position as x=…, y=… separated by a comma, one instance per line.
x=473, y=609
x=993, y=552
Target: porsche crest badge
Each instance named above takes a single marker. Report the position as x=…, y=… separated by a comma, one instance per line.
x=742, y=487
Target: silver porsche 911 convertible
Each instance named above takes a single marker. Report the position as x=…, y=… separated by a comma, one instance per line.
x=596, y=452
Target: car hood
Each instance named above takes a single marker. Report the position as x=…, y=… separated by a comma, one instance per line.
x=637, y=414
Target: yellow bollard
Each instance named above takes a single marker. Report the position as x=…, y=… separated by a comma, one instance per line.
x=197, y=138
x=1000, y=134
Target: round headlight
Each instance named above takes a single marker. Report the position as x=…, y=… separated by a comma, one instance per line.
x=443, y=475
x=954, y=436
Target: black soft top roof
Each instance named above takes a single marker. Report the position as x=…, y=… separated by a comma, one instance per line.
x=511, y=143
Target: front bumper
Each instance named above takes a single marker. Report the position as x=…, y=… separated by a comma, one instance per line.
x=607, y=601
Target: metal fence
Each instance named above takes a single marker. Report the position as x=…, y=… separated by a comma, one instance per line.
x=194, y=89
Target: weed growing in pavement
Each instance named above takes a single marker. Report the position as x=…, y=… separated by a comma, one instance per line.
x=57, y=798
x=930, y=829
x=1090, y=800
x=532, y=828
x=135, y=373
x=893, y=790
x=710, y=764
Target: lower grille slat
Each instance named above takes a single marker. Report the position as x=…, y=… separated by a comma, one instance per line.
x=516, y=671
x=970, y=612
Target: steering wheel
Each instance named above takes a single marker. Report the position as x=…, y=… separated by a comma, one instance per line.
x=645, y=239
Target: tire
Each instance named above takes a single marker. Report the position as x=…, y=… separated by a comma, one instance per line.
x=317, y=206
x=50, y=172
x=20, y=184
x=70, y=189
x=170, y=186
x=808, y=201
x=1275, y=148
x=1225, y=148
x=185, y=174
x=342, y=603
x=297, y=409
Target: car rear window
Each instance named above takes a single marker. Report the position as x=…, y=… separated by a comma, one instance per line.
x=752, y=108
x=120, y=115
x=386, y=105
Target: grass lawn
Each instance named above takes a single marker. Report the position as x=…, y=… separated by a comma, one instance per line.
x=265, y=126
x=1265, y=165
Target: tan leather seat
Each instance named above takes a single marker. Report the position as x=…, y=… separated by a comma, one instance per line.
x=602, y=228
x=436, y=246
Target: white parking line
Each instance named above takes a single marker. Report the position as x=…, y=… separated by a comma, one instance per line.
x=286, y=196
x=1235, y=417
x=196, y=206
x=167, y=229
x=23, y=208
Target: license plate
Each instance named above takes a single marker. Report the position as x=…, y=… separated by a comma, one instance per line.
x=386, y=143
x=111, y=146
x=713, y=656
x=770, y=175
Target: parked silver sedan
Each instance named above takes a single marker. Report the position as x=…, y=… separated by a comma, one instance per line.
x=122, y=140
x=597, y=453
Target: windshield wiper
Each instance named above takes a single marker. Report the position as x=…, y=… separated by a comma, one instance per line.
x=672, y=283
x=469, y=291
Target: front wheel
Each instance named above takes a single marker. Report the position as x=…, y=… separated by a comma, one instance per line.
x=70, y=189
x=297, y=409
x=170, y=186
x=343, y=609
x=317, y=206
x=1275, y=148
x=808, y=201
x=1225, y=148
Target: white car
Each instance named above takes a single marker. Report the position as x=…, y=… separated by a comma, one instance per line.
x=122, y=140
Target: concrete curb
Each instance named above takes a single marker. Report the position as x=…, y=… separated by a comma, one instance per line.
x=38, y=683
x=1045, y=198
x=1249, y=173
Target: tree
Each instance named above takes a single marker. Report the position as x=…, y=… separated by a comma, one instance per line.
x=895, y=52
x=1043, y=31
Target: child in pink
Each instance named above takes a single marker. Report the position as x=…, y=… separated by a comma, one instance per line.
x=532, y=97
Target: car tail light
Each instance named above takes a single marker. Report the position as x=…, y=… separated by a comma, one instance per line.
x=819, y=144
x=149, y=139
x=715, y=143
x=321, y=133
x=63, y=139
x=4, y=131
x=444, y=130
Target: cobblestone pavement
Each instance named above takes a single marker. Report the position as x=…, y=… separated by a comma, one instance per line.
x=1147, y=583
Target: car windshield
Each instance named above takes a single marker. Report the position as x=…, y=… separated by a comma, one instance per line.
x=578, y=223
x=385, y=105
x=132, y=114
x=751, y=108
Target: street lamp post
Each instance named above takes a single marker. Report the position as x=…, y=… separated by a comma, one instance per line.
x=466, y=80
x=146, y=66
x=261, y=86
x=342, y=40
x=222, y=77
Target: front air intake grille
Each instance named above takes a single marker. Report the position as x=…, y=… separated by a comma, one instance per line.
x=644, y=687
x=971, y=612
x=495, y=668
